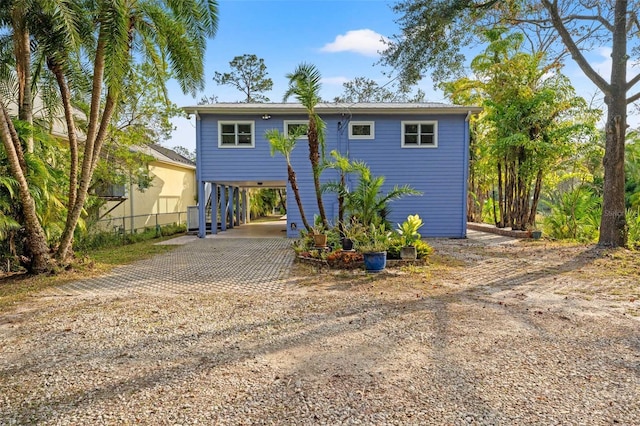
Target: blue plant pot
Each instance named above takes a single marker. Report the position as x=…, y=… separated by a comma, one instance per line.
x=376, y=261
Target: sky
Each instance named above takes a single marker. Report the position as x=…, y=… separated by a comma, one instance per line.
x=342, y=38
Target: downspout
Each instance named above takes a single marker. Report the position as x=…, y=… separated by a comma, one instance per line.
x=467, y=136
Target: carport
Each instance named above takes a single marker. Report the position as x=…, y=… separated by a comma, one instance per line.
x=226, y=204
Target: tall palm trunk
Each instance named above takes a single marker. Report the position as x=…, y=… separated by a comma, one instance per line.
x=65, y=94
x=22, y=52
x=96, y=134
x=314, y=158
x=36, y=240
x=296, y=193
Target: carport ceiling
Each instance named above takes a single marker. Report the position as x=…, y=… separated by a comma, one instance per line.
x=255, y=183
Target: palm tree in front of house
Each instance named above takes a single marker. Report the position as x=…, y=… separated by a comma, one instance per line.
x=284, y=145
x=304, y=84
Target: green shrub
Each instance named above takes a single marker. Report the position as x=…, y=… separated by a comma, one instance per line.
x=423, y=249
x=574, y=215
x=92, y=241
x=633, y=221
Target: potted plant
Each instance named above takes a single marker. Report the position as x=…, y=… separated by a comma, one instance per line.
x=408, y=232
x=319, y=232
x=351, y=233
x=373, y=245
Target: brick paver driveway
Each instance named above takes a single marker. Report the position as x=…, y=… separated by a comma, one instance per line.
x=243, y=264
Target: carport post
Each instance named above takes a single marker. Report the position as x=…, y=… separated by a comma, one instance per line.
x=214, y=208
x=223, y=208
x=230, y=207
x=245, y=205
x=202, y=207
x=238, y=211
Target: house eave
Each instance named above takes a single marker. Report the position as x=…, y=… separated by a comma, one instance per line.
x=333, y=108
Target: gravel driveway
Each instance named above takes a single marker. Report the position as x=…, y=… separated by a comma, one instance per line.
x=505, y=334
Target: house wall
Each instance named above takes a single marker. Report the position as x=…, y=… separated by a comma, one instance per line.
x=439, y=173
x=172, y=189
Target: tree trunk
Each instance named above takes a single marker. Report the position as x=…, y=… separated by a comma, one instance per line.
x=536, y=198
x=613, y=225
x=296, y=192
x=501, y=222
x=22, y=52
x=314, y=158
x=96, y=129
x=36, y=241
x=65, y=94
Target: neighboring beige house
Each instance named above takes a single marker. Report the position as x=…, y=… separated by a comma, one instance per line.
x=172, y=189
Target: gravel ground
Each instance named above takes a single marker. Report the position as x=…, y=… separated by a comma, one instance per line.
x=505, y=334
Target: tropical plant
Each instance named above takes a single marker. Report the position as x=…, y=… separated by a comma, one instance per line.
x=343, y=166
x=284, y=144
x=408, y=230
x=112, y=36
x=532, y=121
x=366, y=202
x=376, y=239
x=423, y=249
x=633, y=222
x=574, y=215
x=305, y=84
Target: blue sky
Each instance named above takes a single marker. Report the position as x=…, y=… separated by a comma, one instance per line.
x=340, y=37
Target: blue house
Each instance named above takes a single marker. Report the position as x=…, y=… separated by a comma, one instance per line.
x=425, y=145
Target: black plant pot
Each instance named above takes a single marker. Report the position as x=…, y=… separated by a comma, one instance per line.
x=347, y=244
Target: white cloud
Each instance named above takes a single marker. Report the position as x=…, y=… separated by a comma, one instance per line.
x=337, y=81
x=365, y=42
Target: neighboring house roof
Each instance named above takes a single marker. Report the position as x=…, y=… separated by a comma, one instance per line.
x=165, y=155
x=359, y=107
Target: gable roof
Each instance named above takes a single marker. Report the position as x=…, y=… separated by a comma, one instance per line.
x=165, y=155
x=325, y=107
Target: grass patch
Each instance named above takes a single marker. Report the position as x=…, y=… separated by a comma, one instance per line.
x=16, y=289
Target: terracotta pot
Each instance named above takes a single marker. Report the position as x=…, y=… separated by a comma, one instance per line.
x=320, y=240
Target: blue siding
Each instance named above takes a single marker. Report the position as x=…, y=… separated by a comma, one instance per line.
x=439, y=173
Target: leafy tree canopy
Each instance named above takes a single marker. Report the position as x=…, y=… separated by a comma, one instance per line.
x=249, y=75
x=363, y=89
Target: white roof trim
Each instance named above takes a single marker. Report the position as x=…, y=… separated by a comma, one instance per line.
x=335, y=108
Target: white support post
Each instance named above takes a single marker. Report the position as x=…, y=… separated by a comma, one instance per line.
x=223, y=208
x=214, y=208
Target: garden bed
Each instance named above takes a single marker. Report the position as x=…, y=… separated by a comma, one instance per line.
x=355, y=261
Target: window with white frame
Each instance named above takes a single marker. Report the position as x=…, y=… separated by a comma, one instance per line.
x=362, y=130
x=419, y=134
x=236, y=134
x=296, y=126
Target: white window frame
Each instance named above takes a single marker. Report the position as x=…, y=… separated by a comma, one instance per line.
x=286, y=127
x=420, y=123
x=236, y=123
x=371, y=124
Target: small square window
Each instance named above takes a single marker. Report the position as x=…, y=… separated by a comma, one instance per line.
x=416, y=134
x=361, y=130
x=298, y=126
x=236, y=134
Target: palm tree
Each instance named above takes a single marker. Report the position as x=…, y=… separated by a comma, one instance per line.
x=366, y=202
x=284, y=144
x=158, y=32
x=343, y=165
x=304, y=84
x=161, y=32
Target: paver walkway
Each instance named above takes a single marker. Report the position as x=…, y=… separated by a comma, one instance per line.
x=243, y=265
x=248, y=259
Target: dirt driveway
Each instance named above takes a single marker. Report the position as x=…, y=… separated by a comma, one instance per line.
x=494, y=332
